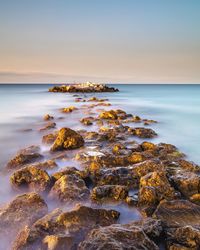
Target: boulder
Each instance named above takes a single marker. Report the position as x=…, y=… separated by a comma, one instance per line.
x=155, y=187
x=23, y=210
x=68, y=227
x=111, y=114
x=67, y=139
x=25, y=156
x=178, y=213
x=69, y=188
x=187, y=183
x=49, y=164
x=31, y=177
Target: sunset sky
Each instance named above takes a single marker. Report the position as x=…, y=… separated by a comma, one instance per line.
x=133, y=41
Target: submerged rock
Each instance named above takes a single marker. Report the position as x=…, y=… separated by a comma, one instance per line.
x=49, y=125
x=23, y=210
x=67, y=139
x=69, y=109
x=69, y=188
x=31, y=177
x=48, y=117
x=87, y=120
x=49, y=139
x=25, y=156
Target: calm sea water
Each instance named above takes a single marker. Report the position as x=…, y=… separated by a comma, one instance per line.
x=175, y=107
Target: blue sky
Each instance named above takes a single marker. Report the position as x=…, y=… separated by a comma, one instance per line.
x=111, y=40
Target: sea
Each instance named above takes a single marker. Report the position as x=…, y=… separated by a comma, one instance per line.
x=176, y=108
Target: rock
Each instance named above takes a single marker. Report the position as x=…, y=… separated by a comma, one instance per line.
x=65, y=171
x=87, y=120
x=87, y=87
x=49, y=139
x=25, y=156
x=154, y=187
x=136, y=157
x=58, y=242
x=48, y=117
x=117, y=237
x=142, y=132
x=50, y=164
x=111, y=114
x=72, y=225
x=186, y=236
x=31, y=177
x=116, y=176
x=148, y=146
x=49, y=125
x=69, y=109
x=115, y=192
x=23, y=210
x=148, y=166
x=178, y=213
x=152, y=227
x=67, y=139
x=69, y=189
x=187, y=183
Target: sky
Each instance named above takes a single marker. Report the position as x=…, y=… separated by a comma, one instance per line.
x=125, y=41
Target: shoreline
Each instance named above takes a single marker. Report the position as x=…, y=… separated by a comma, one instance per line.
x=112, y=166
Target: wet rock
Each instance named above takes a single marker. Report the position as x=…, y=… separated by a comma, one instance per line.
x=69, y=109
x=70, y=226
x=69, y=188
x=23, y=210
x=147, y=166
x=31, y=177
x=25, y=156
x=49, y=139
x=151, y=227
x=117, y=237
x=187, y=165
x=111, y=114
x=136, y=157
x=187, y=183
x=142, y=132
x=178, y=213
x=67, y=139
x=154, y=187
x=186, y=237
x=195, y=198
x=116, y=176
x=114, y=192
x=148, y=146
x=48, y=117
x=87, y=120
x=49, y=125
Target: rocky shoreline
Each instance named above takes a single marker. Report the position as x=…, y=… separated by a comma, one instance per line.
x=119, y=165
